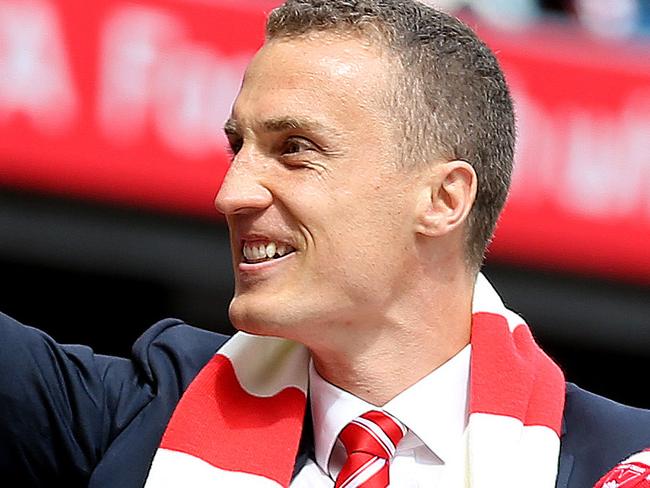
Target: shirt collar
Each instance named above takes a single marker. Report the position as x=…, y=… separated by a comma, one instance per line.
x=434, y=408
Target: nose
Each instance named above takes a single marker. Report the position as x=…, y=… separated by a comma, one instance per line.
x=241, y=190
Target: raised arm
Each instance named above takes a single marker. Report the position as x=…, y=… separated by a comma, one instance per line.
x=70, y=416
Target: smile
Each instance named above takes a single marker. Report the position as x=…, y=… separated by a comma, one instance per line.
x=258, y=251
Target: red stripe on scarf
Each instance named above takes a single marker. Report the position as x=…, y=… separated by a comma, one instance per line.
x=512, y=376
x=258, y=433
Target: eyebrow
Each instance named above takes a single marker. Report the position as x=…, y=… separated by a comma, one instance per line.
x=281, y=124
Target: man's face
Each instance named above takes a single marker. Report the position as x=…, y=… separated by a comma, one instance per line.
x=319, y=210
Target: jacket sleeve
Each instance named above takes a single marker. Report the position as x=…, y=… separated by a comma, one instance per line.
x=61, y=406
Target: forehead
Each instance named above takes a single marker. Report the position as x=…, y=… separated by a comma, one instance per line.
x=322, y=76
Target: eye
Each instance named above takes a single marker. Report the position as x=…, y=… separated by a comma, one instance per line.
x=297, y=145
x=234, y=146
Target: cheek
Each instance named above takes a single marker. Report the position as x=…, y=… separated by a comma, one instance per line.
x=353, y=222
x=364, y=249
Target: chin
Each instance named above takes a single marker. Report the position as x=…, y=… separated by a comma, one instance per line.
x=255, y=317
x=296, y=318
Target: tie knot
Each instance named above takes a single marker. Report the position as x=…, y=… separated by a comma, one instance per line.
x=376, y=433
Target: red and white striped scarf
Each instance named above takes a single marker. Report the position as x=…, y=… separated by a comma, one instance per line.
x=239, y=423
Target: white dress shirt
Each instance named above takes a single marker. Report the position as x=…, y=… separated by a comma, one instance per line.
x=434, y=410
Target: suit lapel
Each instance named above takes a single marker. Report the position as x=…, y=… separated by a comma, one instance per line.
x=565, y=466
x=564, y=470
x=306, y=446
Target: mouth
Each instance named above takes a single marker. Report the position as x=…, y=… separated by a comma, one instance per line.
x=262, y=251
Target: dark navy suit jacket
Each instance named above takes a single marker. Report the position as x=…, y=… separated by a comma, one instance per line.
x=69, y=417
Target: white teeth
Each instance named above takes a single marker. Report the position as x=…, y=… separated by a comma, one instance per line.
x=270, y=250
x=260, y=251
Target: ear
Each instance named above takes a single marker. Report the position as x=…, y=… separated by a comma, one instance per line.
x=446, y=198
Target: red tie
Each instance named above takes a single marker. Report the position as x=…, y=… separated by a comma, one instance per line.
x=370, y=442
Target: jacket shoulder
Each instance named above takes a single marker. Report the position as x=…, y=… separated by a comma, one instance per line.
x=173, y=344
x=592, y=414
x=599, y=433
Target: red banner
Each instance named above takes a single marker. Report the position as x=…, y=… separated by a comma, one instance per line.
x=580, y=198
x=124, y=102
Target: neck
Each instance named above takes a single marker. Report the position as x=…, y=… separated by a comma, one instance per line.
x=378, y=359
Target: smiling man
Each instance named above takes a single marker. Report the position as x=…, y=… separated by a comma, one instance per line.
x=344, y=239
x=372, y=146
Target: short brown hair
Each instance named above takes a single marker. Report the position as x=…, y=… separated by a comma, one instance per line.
x=457, y=102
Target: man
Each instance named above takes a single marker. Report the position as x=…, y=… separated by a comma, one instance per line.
x=372, y=149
